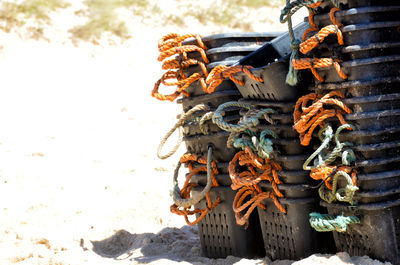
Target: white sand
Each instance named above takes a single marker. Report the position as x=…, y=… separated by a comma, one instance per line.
x=79, y=179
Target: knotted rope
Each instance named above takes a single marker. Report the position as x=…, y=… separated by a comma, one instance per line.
x=328, y=222
x=322, y=170
x=171, y=45
x=247, y=123
x=314, y=41
x=247, y=182
x=178, y=126
x=182, y=200
x=307, y=118
x=286, y=14
x=221, y=72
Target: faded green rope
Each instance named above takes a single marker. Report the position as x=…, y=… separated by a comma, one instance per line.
x=329, y=223
x=206, y=117
x=345, y=194
x=244, y=124
x=197, y=197
x=184, y=117
x=263, y=146
x=326, y=135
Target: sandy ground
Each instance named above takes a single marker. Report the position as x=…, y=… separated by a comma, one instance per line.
x=79, y=179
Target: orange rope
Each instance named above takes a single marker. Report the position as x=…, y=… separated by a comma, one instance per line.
x=324, y=172
x=221, y=72
x=315, y=63
x=256, y=200
x=318, y=38
x=307, y=118
x=171, y=45
x=313, y=26
x=193, y=162
x=247, y=183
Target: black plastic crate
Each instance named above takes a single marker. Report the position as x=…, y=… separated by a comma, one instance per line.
x=354, y=52
x=374, y=119
x=360, y=88
x=274, y=87
x=346, y=4
x=234, y=39
x=219, y=234
x=371, y=136
x=297, y=178
x=364, y=69
x=378, y=164
x=373, y=103
x=378, y=234
x=289, y=235
x=360, y=15
x=230, y=53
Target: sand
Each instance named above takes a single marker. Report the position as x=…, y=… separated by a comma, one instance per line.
x=80, y=182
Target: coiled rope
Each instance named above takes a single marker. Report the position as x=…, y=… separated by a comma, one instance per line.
x=328, y=222
x=182, y=200
x=307, y=118
x=171, y=45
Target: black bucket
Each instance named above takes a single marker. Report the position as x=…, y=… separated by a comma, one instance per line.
x=219, y=234
x=378, y=234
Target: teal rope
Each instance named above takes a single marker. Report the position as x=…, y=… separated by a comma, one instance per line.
x=329, y=223
x=249, y=122
x=262, y=146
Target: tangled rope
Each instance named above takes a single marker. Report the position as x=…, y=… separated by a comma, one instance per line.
x=221, y=72
x=328, y=222
x=244, y=124
x=287, y=12
x=312, y=42
x=322, y=170
x=246, y=182
x=262, y=145
x=307, y=118
x=178, y=126
x=171, y=45
x=182, y=200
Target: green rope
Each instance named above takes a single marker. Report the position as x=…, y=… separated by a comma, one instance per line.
x=326, y=135
x=329, y=223
x=176, y=192
x=263, y=146
x=184, y=117
x=247, y=123
x=206, y=117
x=345, y=194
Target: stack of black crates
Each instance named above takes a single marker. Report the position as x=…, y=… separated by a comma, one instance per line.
x=219, y=234
x=370, y=57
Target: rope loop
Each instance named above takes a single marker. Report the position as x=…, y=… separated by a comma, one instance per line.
x=221, y=72
x=182, y=200
x=170, y=45
x=307, y=118
x=178, y=126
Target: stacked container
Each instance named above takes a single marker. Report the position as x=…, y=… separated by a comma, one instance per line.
x=285, y=235
x=370, y=57
x=220, y=236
